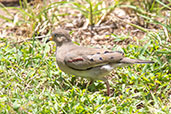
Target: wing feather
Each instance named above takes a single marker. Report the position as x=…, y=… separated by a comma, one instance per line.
x=89, y=58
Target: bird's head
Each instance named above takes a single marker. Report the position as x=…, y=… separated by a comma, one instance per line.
x=60, y=36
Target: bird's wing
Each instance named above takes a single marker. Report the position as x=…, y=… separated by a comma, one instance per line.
x=83, y=59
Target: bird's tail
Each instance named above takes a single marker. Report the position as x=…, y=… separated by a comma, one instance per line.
x=135, y=61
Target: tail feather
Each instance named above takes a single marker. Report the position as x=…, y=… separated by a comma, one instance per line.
x=135, y=61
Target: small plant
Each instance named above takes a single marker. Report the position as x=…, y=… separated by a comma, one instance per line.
x=93, y=10
x=37, y=18
x=149, y=10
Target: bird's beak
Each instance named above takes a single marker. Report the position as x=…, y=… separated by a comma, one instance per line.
x=50, y=39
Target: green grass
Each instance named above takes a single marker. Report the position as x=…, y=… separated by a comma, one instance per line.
x=30, y=82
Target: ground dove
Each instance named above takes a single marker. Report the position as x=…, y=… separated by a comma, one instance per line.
x=90, y=63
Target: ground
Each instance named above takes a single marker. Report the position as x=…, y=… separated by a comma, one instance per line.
x=32, y=83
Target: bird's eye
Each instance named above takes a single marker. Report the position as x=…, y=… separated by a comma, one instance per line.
x=55, y=35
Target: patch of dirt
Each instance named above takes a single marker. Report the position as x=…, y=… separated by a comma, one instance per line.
x=111, y=29
x=11, y=2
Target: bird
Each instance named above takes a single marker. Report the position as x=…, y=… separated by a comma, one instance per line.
x=90, y=63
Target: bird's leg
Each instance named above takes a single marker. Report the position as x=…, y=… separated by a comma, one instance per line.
x=107, y=85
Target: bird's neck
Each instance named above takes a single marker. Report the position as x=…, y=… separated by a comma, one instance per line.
x=58, y=45
x=65, y=46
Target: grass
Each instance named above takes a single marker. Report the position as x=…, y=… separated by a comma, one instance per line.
x=30, y=82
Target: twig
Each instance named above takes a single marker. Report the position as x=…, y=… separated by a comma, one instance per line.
x=105, y=15
x=28, y=39
x=134, y=25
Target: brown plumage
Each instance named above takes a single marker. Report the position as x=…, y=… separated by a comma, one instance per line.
x=89, y=63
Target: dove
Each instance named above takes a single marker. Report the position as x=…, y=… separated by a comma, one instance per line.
x=90, y=63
